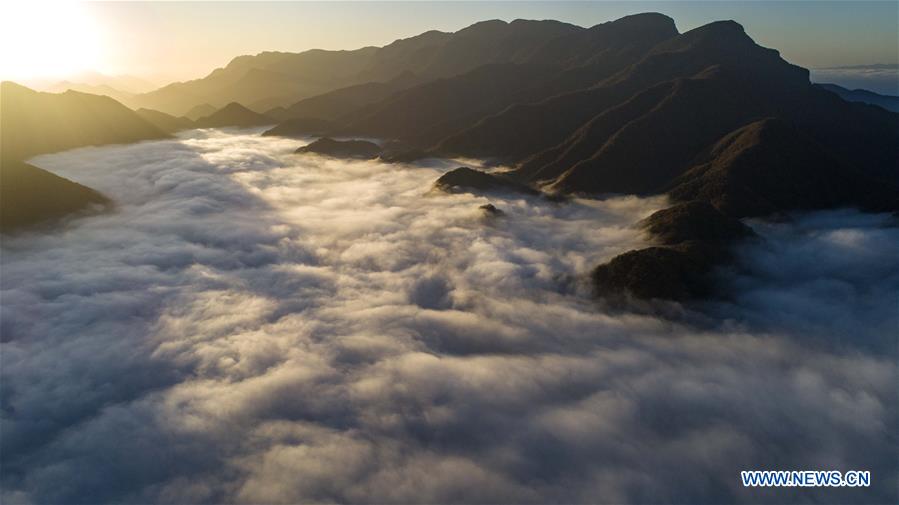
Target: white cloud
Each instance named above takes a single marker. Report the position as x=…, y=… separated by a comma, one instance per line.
x=256, y=326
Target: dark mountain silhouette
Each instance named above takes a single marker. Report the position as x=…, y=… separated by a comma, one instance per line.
x=30, y=195
x=468, y=180
x=687, y=116
x=526, y=129
x=340, y=102
x=360, y=149
x=681, y=272
x=165, y=122
x=334, y=104
x=304, y=74
x=641, y=142
x=769, y=167
x=36, y=123
x=490, y=210
x=888, y=102
x=426, y=113
x=746, y=133
x=198, y=111
x=233, y=114
x=693, y=238
x=624, y=39
x=274, y=79
x=395, y=151
x=694, y=221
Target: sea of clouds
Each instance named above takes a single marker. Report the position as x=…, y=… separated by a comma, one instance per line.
x=255, y=326
x=879, y=78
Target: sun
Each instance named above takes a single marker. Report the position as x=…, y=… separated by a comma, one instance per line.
x=47, y=40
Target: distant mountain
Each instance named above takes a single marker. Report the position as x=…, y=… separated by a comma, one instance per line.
x=198, y=111
x=882, y=78
x=888, y=102
x=233, y=114
x=426, y=113
x=165, y=122
x=36, y=123
x=274, y=79
x=93, y=89
x=127, y=83
x=527, y=128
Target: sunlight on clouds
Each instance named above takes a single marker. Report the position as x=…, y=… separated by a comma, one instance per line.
x=281, y=328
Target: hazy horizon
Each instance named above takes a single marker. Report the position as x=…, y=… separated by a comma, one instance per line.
x=148, y=40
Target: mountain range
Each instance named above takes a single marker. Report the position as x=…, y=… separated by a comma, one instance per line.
x=888, y=102
x=272, y=79
x=37, y=123
x=708, y=117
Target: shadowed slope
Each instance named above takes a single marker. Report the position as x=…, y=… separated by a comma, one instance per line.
x=30, y=195
x=526, y=129
x=694, y=237
x=360, y=149
x=165, y=122
x=769, y=167
x=337, y=103
x=36, y=123
x=428, y=112
x=888, y=102
x=294, y=76
x=469, y=180
x=425, y=114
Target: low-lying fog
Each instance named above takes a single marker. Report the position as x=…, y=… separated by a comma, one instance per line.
x=252, y=325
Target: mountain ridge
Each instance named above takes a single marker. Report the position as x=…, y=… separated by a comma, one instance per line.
x=726, y=128
x=37, y=122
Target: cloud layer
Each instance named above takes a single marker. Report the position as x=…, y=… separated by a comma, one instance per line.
x=256, y=326
x=880, y=78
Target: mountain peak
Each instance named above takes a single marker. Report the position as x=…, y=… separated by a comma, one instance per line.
x=724, y=25
x=718, y=34
x=645, y=20
x=482, y=27
x=233, y=114
x=14, y=87
x=234, y=107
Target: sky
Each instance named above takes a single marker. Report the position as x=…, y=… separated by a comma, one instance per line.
x=165, y=41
